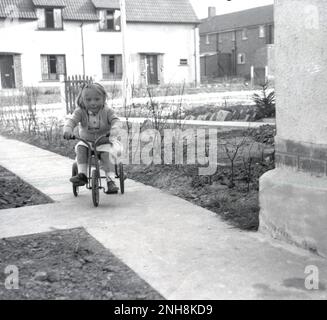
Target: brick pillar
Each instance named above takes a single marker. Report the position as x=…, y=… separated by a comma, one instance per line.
x=161, y=69
x=293, y=197
x=18, y=71
x=143, y=70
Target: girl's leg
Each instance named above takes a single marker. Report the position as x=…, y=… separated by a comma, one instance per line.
x=107, y=165
x=109, y=158
x=81, y=158
x=108, y=168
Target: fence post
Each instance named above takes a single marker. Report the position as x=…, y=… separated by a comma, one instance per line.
x=95, y=78
x=63, y=92
x=266, y=74
x=252, y=76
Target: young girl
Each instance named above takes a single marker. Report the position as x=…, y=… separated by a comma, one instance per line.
x=95, y=119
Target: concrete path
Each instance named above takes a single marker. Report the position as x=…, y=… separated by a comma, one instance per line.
x=182, y=250
x=221, y=125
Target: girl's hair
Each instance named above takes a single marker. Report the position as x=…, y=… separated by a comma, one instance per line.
x=95, y=86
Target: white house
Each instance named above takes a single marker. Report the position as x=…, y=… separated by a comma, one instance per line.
x=43, y=39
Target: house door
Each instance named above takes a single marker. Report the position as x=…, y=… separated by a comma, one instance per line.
x=234, y=63
x=7, y=72
x=152, y=69
x=224, y=64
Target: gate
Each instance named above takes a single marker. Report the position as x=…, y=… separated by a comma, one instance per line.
x=259, y=76
x=73, y=85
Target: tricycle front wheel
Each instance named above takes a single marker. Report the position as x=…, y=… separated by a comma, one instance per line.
x=95, y=187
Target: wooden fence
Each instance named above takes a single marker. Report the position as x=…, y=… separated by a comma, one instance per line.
x=73, y=85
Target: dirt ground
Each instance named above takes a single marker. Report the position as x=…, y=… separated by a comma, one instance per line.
x=16, y=193
x=67, y=265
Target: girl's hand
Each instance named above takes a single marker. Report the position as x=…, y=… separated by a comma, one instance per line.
x=103, y=140
x=68, y=135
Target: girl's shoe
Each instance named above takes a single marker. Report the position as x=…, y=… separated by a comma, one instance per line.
x=79, y=180
x=111, y=188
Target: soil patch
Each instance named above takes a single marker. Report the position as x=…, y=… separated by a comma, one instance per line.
x=68, y=264
x=17, y=193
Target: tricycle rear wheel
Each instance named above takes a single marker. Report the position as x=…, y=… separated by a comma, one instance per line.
x=121, y=178
x=95, y=187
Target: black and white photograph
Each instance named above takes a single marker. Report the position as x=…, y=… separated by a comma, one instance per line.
x=155, y=151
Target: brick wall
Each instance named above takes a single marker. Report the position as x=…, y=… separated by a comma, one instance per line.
x=254, y=48
x=305, y=157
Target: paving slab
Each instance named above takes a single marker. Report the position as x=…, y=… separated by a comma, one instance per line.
x=182, y=250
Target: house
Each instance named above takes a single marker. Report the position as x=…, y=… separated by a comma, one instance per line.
x=41, y=40
x=231, y=43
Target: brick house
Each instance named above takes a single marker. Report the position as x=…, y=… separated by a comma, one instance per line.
x=231, y=43
x=44, y=39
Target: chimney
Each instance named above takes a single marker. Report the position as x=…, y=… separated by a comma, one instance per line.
x=211, y=12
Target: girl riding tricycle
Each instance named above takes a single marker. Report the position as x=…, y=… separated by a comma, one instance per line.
x=98, y=131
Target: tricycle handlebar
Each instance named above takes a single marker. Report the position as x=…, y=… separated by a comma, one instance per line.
x=90, y=144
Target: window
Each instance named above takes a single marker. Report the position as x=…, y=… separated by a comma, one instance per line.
x=207, y=39
x=262, y=32
x=220, y=40
x=244, y=34
x=52, y=66
x=233, y=36
x=110, y=20
x=183, y=62
x=241, y=58
x=270, y=34
x=49, y=18
x=112, y=67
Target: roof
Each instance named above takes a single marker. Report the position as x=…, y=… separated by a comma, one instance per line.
x=26, y=9
x=106, y=4
x=81, y=10
x=236, y=20
x=164, y=11
x=49, y=3
x=157, y=11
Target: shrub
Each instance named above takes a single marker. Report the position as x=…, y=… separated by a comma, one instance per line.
x=265, y=103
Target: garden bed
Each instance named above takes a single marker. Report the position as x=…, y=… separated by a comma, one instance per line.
x=17, y=193
x=68, y=265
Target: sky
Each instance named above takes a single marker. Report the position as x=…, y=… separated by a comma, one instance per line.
x=225, y=6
